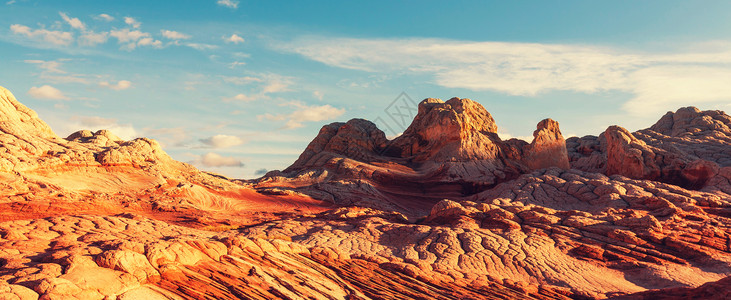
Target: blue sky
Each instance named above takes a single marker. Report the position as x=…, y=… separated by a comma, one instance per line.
x=237, y=87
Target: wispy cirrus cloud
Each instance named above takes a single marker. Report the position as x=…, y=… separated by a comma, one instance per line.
x=120, y=85
x=201, y=46
x=131, y=39
x=51, y=71
x=53, y=37
x=266, y=84
x=174, y=35
x=233, y=4
x=655, y=81
x=304, y=113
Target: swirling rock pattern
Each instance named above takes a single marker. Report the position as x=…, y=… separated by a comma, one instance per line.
x=447, y=210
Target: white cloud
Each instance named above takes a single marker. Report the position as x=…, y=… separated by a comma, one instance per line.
x=132, y=22
x=234, y=38
x=91, y=38
x=54, y=37
x=228, y=3
x=104, y=17
x=305, y=113
x=74, y=22
x=47, y=92
x=174, y=137
x=268, y=84
x=201, y=47
x=51, y=72
x=276, y=85
x=242, y=97
x=222, y=141
x=120, y=85
x=126, y=35
x=51, y=66
x=214, y=160
x=318, y=95
x=148, y=41
x=130, y=39
x=656, y=87
x=657, y=82
x=242, y=55
x=236, y=64
x=241, y=80
x=94, y=123
x=174, y=35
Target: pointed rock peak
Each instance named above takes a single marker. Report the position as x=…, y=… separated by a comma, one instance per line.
x=357, y=139
x=547, y=129
x=692, y=121
x=548, y=148
x=18, y=120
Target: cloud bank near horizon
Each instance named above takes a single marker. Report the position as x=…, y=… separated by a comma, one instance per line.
x=655, y=80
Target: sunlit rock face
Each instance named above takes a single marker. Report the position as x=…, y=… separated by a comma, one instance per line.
x=447, y=210
x=688, y=148
x=450, y=149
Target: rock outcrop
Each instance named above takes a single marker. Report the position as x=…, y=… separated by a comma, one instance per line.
x=450, y=149
x=97, y=172
x=686, y=148
x=548, y=148
x=447, y=210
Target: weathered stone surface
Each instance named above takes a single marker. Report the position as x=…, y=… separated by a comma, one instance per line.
x=447, y=210
x=687, y=148
x=451, y=149
x=548, y=148
x=716, y=290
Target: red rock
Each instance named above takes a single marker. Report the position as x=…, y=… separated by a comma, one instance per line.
x=548, y=148
x=518, y=223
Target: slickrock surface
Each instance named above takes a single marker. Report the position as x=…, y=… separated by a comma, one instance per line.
x=447, y=210
x=98, y=173
x=596, y=234
x=717, y=290
x=131, y=257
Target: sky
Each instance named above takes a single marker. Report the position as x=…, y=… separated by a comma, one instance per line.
x=241, y=87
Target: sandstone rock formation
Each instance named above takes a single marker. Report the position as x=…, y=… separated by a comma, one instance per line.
x=447, y=210
x=46, y=175
x=686, y=148
x=451, y=149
